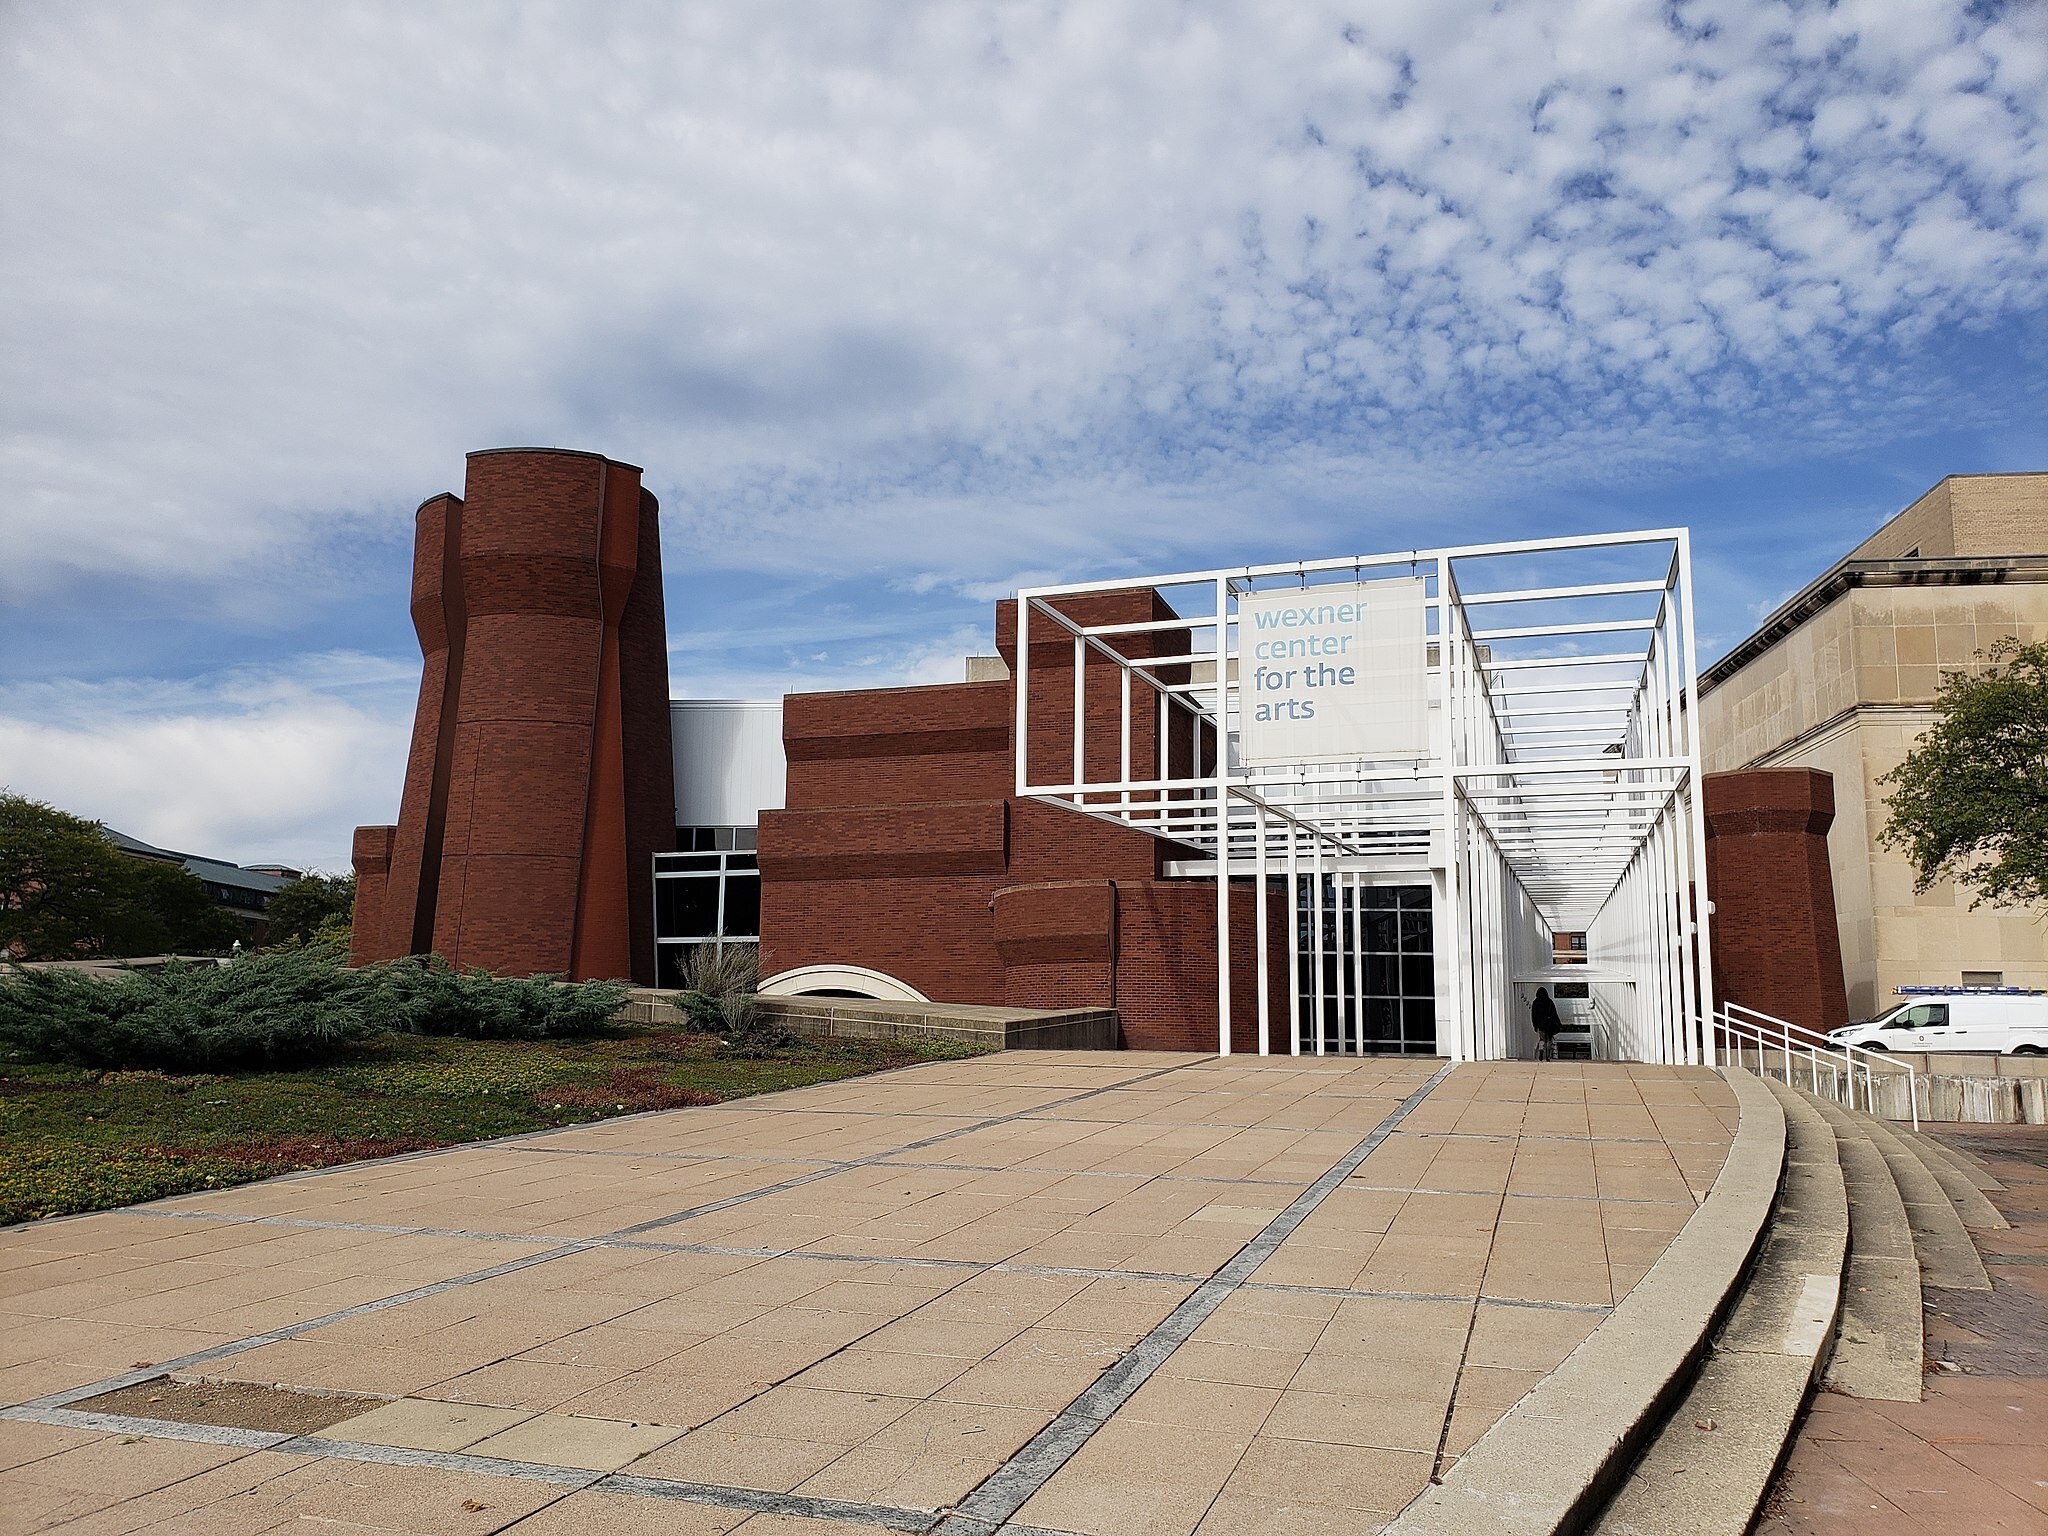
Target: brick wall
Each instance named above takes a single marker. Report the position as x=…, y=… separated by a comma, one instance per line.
x=905, y=850
x=539, y=784
x=372, y=858
x=1775, y=945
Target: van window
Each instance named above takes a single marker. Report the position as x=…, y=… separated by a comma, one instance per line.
x=1920, y=1016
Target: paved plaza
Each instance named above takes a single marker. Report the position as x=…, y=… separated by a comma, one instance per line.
x=1037, y=1291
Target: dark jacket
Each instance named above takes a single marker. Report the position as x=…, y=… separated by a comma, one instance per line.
x=1543, y=1013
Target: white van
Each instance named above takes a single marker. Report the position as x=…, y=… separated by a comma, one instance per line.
x=2002, y=1020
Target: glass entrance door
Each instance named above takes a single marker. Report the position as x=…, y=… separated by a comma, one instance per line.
x=1368, y=967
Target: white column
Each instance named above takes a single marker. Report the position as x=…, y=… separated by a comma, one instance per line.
x=1222, y=817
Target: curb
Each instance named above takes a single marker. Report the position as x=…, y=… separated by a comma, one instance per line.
x=1549, y=1464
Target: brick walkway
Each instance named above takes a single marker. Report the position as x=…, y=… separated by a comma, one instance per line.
x=1973, y=1456
x=1096, y=1293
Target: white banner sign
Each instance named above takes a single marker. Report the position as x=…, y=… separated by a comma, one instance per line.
x=1332, y=673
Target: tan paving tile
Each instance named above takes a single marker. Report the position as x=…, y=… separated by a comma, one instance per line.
x=1360, y=1479
x=907, y=1384
x=569, y=1440
x=763, y=1462
x=1040, y=1368
x=905, y=1479
x=1139, y=1478
x=790, y=1412
x=424, y=1424
x=593, y=1512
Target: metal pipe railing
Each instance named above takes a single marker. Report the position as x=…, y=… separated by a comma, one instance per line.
x=1767, y=1033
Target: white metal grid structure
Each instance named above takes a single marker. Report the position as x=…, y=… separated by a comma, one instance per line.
x=1559, y=790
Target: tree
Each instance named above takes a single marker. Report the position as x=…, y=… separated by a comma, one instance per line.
x=1970, y=802
x=305, y=910
x=67, y=893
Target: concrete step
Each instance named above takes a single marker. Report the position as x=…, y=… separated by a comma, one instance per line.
x=1707, y=1469
x=1555, y=1457
x=1947, y=1253
x=1965, y=1185
x=1879, y=1346
x=1975, y=1166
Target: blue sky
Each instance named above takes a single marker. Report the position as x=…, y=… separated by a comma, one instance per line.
x=902, y=304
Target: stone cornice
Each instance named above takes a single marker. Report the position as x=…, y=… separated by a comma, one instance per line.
x=1955, y=571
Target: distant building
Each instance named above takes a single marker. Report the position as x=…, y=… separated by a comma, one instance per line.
x=1843, y=676
x=242, y=890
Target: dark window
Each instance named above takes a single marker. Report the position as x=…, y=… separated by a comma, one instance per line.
x=686, y=908
x=742, y=906
x=709, y=889
x=1382, y=999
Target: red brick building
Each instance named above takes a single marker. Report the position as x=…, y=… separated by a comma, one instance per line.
x=904, y=850
x=538, y=788
x=542, y=824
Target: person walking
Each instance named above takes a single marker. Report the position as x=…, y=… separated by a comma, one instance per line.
x=1543, y=1015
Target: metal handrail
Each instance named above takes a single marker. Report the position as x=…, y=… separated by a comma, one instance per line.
x=1768, y=1032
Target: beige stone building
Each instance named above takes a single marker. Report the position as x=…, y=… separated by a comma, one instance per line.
x=1843, y=677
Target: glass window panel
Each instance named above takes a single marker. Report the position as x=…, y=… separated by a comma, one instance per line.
x=1382, y=1021
x=1418, y=975
x=1414, y=929
x=1383, y=975
x=743, y=906
x=1382, y=932
x=685, y=908
x=670, y=960
x=1418, y=1024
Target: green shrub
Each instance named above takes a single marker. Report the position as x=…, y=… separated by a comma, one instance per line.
x=278, y=1009
x=262, y=1010
x=428, y=996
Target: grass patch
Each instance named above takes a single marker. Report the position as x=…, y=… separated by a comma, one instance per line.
x=73, y=1139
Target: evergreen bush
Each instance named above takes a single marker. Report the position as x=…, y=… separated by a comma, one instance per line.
x=260, y=1011
x=278, y=1009
x=427, y=996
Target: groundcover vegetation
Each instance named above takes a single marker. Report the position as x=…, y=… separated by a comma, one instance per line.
x=203, y=1076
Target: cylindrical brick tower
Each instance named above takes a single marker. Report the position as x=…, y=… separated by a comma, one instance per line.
x=540, y=782
x=1776, y=946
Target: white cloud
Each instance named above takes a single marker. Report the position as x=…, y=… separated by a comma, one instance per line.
x=830, y=273
x=271, y=764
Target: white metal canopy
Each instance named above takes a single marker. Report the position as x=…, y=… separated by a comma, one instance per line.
x=1558, y=792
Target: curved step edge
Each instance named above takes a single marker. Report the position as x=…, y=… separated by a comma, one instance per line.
x=1708, y=1468
x=1948, y=1254
x=1880, y=1343
x=1970, y=1202
x=1553, y=1458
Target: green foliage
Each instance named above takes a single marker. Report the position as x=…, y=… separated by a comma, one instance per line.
x=748, y=1031
x=278, y=1008
x=179, y=916
x=307, y=910
x=75, y=1140
x=261, y=1010
x=68, y=893
x=1970, y=802
x=427, y=996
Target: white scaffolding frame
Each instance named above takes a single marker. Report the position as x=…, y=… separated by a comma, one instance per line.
x=1560, y=792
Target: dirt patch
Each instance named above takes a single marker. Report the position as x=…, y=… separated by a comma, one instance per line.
x=231, y=1405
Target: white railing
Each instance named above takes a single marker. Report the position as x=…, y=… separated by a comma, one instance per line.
x=1809, y=1053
